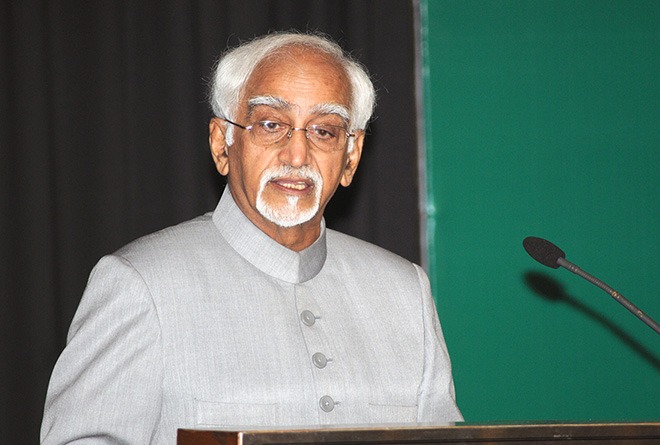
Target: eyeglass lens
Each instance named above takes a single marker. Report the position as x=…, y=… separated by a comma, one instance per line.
x=324, y=137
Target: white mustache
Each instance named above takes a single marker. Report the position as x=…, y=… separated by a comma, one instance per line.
x=287, y=171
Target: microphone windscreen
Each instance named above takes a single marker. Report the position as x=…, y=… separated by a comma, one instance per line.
x=543, y=251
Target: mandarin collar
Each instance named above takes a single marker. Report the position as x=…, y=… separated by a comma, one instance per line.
x=262, y=251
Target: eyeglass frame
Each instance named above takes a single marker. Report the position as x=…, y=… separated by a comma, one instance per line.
x=289, y=134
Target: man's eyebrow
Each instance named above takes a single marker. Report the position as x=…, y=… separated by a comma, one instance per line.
x=280, y=104
x=332, y=108
x=268, y=101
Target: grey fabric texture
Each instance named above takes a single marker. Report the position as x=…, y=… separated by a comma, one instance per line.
x=199, y=325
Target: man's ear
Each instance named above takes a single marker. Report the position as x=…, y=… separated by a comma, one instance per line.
x=218, y=144
x=353, y=159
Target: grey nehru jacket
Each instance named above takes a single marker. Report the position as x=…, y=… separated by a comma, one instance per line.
x=211, y=323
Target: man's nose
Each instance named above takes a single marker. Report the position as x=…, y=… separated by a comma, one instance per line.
x=295, y=151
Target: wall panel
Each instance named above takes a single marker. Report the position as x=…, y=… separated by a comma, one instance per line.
x=543, y=118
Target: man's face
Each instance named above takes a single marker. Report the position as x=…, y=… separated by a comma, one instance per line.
x=284, y=188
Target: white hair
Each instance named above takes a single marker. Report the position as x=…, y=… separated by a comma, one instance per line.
x=234, y=68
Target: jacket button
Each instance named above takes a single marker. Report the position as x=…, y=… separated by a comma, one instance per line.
x=319, y=360
x=327, y=404
x=308, y=317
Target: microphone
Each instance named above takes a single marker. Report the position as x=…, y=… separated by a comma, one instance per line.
x=550, y=255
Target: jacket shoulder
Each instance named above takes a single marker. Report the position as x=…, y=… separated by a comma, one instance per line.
x=355, y=250
x=189, y=236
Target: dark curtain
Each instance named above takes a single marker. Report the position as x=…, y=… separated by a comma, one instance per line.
x=103, y=138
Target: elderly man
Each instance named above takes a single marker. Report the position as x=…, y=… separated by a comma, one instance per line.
x=256, y=314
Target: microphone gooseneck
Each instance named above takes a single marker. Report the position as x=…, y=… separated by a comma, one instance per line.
x=550, y=255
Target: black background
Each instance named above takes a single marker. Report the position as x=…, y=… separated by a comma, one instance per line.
x=104, y=138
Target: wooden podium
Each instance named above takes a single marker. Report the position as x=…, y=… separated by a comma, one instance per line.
x=509, y=434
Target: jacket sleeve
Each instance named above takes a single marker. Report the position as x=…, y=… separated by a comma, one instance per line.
x=106, y=385
x=436, y=399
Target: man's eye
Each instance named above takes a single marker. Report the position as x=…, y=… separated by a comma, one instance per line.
x=270, y=126
x=324, y=132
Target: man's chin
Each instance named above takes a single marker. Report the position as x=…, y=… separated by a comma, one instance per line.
x=287, y=218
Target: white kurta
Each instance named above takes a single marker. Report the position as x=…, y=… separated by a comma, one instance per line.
x=211, y=323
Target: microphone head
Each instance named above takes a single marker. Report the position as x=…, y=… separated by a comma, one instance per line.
x=543, y=251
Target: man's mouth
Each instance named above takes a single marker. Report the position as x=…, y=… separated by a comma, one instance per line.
x=292, y=185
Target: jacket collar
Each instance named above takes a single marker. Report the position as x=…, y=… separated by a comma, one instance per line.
x=262, y=251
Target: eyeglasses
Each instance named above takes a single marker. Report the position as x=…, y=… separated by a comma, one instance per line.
x=323, y=136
